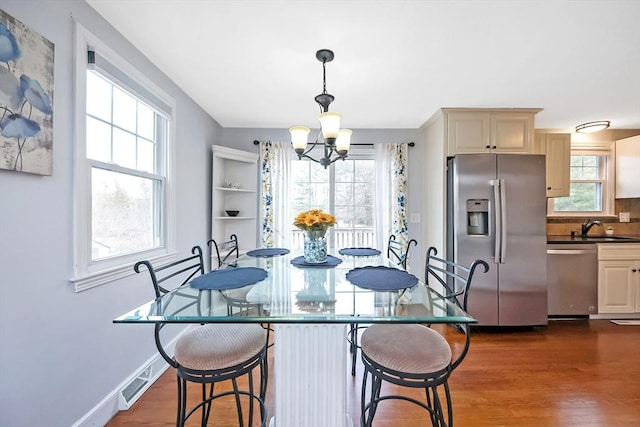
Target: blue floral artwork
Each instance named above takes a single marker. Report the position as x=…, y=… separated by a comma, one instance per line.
x=26, y=98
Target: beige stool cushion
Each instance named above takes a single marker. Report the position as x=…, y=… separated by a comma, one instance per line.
x=406, y=348
x=217, y=346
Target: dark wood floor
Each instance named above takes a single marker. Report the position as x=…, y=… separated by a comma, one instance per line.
x=572, y=373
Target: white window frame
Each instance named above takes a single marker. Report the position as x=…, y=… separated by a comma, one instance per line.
x=608, y=186
x=88, y=273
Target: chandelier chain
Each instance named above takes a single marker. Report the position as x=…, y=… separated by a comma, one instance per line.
x=324, y=77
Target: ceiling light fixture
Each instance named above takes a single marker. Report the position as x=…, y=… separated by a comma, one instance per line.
x=591, y=127
x=336, y=140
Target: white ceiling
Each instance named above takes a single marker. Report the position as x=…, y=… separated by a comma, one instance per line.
x=252, y=63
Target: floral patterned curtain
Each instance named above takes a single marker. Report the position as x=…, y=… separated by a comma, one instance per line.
x=275, y=160
x=391, y=192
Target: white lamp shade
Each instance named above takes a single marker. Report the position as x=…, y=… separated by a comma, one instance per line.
x=330, y=123
x=344, y=140
x=299, y=136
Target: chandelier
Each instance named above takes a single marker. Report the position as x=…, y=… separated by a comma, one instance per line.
x=335, y=140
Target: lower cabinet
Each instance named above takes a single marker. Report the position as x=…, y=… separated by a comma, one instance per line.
x=618, y=278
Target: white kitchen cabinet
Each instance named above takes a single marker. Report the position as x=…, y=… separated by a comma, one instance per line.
x=234, y=186
x=628, y=168
x=471, y=131
x=557, y=148
x=618, y=278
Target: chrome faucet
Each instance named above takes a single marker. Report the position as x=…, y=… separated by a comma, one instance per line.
x=587, y=226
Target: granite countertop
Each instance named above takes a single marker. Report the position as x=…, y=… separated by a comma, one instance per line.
x=630, y=238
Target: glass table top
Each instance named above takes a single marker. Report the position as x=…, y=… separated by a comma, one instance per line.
x=301, y=294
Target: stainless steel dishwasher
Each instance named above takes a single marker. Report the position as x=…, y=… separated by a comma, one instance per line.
x=572, y=279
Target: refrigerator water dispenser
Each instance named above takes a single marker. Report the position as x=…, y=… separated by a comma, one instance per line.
x=478, y=217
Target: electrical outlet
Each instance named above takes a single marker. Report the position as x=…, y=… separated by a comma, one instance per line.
x=624, y=216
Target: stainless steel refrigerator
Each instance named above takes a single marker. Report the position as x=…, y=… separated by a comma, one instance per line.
x=496, y=211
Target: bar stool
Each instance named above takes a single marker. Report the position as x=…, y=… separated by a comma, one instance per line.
x=211, y=353
x=416, y=356
x=398, y=252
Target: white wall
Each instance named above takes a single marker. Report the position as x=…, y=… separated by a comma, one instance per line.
x=60, y=353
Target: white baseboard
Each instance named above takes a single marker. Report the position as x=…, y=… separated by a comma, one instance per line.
x=615, y=316
x=115, y=401
x=119, y=399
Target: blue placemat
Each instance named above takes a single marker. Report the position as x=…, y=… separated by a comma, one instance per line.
x=331, y=262
x=359, y=251
x=268, y=252
x=229, y=278
x=381, y=278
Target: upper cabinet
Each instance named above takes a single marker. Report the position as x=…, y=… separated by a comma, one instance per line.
x=557, y=148
x=471, y=131
x=628, y=167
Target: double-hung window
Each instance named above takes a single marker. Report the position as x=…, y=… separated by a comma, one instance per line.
x=591, y=185
x=122, y=172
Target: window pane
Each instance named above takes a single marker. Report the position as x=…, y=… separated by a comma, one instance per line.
x=98, y=96
x=584, y=197
x=318, y=173
x=319, y=196
x=124, y=110
x=299, y=171
x=98, y=140
x=364, y=195
x=344, y=217
x=364, y=217
x=146, y=156
x=146, y=122
x=300, y=192
x=124, y=214
x=344, y=170
x=344, y=194
x=124, y=148
x=364, y=171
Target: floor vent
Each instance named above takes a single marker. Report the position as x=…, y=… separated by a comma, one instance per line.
x=130, y=391
x=138, y=384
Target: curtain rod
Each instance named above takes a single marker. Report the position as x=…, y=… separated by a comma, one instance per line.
x=411, y=144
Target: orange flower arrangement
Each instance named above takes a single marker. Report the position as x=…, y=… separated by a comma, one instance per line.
x=314, y=220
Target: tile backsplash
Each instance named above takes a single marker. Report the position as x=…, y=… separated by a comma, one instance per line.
x=562, y=226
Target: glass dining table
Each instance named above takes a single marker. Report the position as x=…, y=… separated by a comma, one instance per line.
x=311, y=308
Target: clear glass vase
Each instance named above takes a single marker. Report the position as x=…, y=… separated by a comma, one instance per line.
x=315, y=247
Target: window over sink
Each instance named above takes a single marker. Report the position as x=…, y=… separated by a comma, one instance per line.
x=591, y=185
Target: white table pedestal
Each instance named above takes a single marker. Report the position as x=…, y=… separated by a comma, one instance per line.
x=310, y=375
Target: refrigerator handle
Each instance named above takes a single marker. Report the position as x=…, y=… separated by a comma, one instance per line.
x=495, y=183
x=503, y=224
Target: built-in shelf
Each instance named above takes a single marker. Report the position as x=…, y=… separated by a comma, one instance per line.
x=240, y=168
x=236, y=190
x=235, y=217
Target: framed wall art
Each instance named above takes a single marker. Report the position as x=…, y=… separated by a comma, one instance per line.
x=26, y=98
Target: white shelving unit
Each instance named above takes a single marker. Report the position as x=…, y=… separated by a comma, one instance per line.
x=241, y=168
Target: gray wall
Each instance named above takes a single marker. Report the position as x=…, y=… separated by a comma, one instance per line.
x=60, y=354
